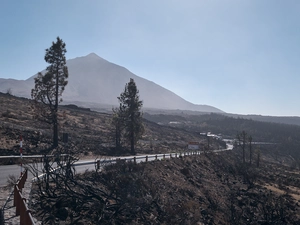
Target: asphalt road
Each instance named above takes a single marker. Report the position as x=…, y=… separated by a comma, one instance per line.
x=5, y=171
x=82, y=165
x=15, y=170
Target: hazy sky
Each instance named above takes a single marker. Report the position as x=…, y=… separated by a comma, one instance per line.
x=241, y=56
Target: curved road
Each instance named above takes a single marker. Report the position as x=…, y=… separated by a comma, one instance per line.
x=83, y=165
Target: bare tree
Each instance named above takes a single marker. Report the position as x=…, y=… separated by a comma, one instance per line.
x=250, y=148
x=242, y=139
x=258, y=158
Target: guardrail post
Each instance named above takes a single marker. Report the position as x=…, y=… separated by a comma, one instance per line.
x=155, y=157
x=18, y=202
x=22, y=211
x=98, y=164
x=25, y=176
x=170, y=155
x=28, y=217
x=22, y=181
x=15, y=195
x=134, y=160
x=164, y=156
x=146, y=158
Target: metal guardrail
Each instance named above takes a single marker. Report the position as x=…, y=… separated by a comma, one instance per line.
x=20, y=202
x=28, y=156
x=146, y=157
x=2, y=216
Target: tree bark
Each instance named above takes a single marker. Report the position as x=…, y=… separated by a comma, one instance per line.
x=55, y=131
x=132, y=143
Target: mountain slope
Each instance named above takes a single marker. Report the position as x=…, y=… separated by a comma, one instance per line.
x=95, y=80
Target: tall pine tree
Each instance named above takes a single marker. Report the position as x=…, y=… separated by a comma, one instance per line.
x=49, y=87
x=130, y=113
x=118, y=123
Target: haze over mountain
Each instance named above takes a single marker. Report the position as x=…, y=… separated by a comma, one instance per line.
x=92, y=79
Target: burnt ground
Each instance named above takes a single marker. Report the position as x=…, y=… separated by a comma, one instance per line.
x=205, y=189
x=90, y=133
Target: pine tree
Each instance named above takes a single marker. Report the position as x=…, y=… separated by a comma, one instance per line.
x=49, y=87
x=118, y=123
x=131, y=114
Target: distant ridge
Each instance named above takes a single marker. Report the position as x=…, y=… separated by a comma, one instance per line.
x=93, y=79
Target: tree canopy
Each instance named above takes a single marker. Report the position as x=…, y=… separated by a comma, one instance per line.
x=49, y=86
x=128, y=117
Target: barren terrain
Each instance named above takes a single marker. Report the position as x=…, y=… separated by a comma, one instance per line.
x=90, y=133
x=206, y=189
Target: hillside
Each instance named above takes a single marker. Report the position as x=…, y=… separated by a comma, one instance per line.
x=204, y=189
x=90, y=133
x=285, y=137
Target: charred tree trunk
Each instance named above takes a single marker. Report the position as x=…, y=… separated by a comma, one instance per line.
x=250, y=149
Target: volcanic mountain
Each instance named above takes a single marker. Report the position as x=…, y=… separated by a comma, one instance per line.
x=94, y=80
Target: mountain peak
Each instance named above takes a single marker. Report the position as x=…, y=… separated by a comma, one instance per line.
x=93, y=55
x=94, y=79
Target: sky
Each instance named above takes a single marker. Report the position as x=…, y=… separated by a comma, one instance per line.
x=241, y=56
